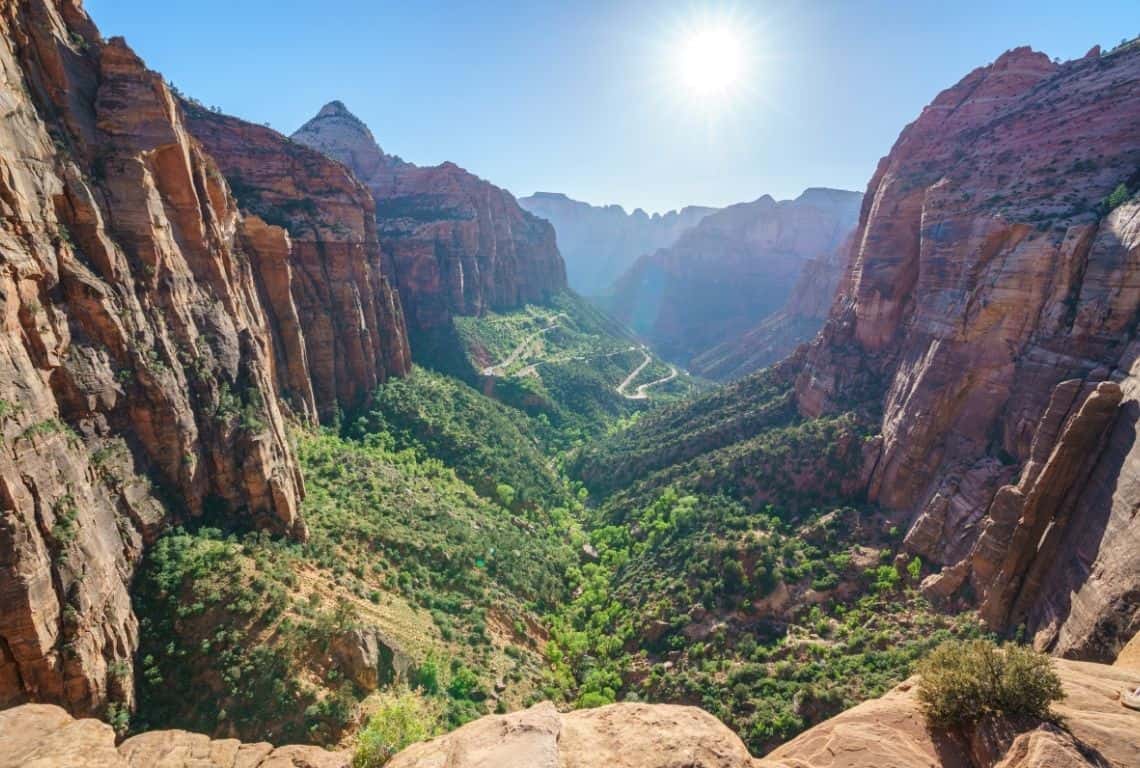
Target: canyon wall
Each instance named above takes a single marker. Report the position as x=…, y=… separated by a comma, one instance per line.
x=458, y=245
x=599, y=243
x=152, y=337
x=308, y=216
x=734, y=269
x=989, y=310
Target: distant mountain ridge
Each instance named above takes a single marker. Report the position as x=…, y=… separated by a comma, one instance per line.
x=601, y=242
x=731, y=271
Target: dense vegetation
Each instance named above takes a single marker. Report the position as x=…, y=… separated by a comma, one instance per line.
x=397, y=541
x=528, y=532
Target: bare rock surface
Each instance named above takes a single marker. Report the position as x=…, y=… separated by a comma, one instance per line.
x=987, y=311
x=312, y=232
x=137, y=383
x=600, y=242
x=45, y=736
x=890, y=731
x=615, y=736
x=732, y=270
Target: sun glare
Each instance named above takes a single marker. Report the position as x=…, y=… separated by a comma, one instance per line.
x=710, y=61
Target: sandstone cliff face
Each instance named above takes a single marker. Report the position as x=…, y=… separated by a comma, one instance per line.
x=735, y=268
x=777, y=335
x=989, y=308
x=148, y=329
x=599, y=243
x=310, y=229
x=458, y=245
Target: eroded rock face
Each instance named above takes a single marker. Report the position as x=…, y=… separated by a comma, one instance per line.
x=986, y=271
x=734, y=269
x=616, y=736
x=138, y=365
x=310, y=231
x=45, y=736
x=459, y=245
x=599, y=243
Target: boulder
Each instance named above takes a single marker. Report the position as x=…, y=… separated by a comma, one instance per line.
x=615, y=736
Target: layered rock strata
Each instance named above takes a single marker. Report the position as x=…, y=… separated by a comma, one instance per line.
x=989, y=309
x=150, y=331
x=310, y=227
x=458, y=245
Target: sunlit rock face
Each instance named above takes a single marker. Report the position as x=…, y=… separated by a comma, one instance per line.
x=459, y=245
x=153, y=337
x=599, y=243
x=989, y=307
x=311, y=227
x=734, y=269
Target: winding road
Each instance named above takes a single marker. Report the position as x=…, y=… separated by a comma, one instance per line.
x=512, y=358
x=641, y=393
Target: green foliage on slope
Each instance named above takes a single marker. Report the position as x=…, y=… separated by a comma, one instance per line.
x=398, y=542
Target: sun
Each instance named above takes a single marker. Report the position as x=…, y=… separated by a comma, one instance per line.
x=710, y=62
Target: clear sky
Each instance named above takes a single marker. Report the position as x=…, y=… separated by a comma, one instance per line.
x=593, y=97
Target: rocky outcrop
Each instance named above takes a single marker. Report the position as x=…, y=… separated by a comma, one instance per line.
x=367, y=657
x=616, y=736
x=45, y=736
x=891, y=731
x=458, y=245
x=599, y=243
x=777, y=335
x=988, y=312
x=310, y=232
x=731, y=271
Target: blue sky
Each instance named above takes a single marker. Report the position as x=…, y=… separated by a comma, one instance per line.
x=581, y=96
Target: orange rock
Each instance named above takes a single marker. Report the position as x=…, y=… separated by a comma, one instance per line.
x=327, y=278
x=985, y=272
x=129, y=328
x=459, y=245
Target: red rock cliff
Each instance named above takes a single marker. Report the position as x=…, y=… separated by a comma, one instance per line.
x=145, y=338
x=311, y=231
x=990, y=309
x=459, y=245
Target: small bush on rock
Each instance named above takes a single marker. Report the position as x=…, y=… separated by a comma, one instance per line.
x=403, y=718
x=963, y=681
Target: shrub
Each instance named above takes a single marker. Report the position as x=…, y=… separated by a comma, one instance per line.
x=962, y=681
x=403, y=718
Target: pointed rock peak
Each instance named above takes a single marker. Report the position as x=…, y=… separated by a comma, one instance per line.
x=335, y=109
x=344, y=137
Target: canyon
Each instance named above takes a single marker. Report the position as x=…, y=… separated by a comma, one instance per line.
x=731, y=271
x=213, y=431
x=599, y=243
